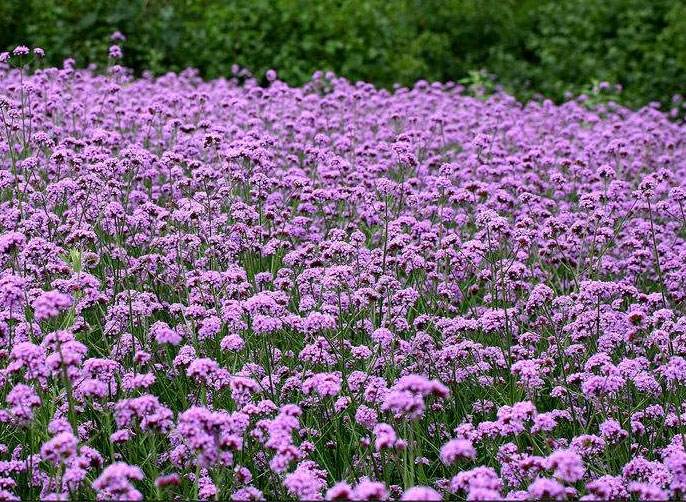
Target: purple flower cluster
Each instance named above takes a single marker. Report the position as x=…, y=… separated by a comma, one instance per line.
x=218, y=290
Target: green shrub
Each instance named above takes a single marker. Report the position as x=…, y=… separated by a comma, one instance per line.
x=534, y=47
x=567, y=44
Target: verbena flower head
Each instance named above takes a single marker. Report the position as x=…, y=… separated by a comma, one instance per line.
x=456, y=449
x=116, y=482
x=421, y=493
x=50, y=304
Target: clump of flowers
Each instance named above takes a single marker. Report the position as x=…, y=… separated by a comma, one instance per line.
x=116, y=482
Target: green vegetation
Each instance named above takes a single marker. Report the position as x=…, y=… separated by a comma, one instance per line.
x=533, y=47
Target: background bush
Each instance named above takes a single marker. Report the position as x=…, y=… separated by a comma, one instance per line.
x=533, y=47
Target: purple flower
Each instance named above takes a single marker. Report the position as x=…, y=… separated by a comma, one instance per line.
x=612, y=431
x=647, y=491
x=162, y=334
x=242, y=389
x=306, y=482
x=115, y=482
x=421, y=493
x=370, y=490
x=206, y=488
x=60, y=448
x=385, y=436
x=12, y=291
x=479, y=478
x=50, y=304
x=676, y=463
x=210, y=328
x=324, y=384
x=115, y=52
x=232, y=343
x=145, y=411
x=606, y=488
x=29, y=357
x=366, y=416
x=406, y=397
x=212, y=435
x=247, y=493
x=588, y=445
x=21, y=50
x=340, y=491
x=567, y=464
x=22, y=400
x=165, y=480
x=456, y=449
x=547, y=489
x=209, y=373
x=12, y=242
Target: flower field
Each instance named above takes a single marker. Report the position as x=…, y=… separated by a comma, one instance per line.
x=216, y=290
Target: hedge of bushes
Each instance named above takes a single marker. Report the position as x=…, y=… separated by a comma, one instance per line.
x=532, y=47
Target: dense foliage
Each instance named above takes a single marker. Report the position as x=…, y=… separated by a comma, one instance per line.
x=531, y=46
x=213, y=289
